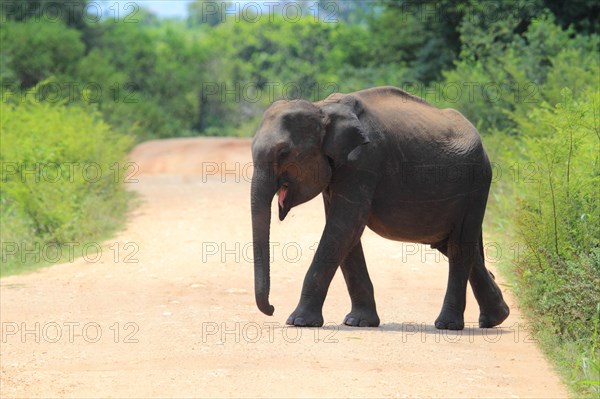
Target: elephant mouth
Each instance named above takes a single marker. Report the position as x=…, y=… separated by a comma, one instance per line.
x=283, y=194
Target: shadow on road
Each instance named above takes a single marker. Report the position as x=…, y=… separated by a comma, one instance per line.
x=428, y=329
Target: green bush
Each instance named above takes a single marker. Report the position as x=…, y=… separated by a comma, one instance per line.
x=503, y=75
x=564, y=204
x=36, y=50
x=558, y=218
x=150, y=79
x=62, y=175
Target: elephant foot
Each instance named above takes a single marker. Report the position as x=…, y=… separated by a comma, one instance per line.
x=362, y=318
x=305, y=318
x=450, y=320
x=493, y=317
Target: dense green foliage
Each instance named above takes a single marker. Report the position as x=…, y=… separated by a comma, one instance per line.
x=517, y=76
x=214, y=73
x=524, y=72
x=62, y=175
x=558, y=219
x=57, y=49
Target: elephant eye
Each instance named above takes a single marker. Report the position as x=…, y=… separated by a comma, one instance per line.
x=283, y=154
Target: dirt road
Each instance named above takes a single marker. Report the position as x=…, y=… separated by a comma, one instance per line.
x=168, y=309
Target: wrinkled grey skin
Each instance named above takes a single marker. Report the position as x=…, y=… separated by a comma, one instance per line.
x=388, y=160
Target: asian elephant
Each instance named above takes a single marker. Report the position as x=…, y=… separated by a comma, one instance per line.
x=382, y=158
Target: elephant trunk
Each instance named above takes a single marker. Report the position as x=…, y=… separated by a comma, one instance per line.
x=262, y=191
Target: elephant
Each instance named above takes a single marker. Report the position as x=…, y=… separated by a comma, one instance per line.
x=385, y=159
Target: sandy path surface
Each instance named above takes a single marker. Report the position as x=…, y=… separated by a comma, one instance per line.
x=168, y=308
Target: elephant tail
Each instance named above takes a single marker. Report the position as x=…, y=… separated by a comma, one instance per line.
x=483, y=254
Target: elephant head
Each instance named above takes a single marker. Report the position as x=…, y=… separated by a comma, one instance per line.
x=295, y=150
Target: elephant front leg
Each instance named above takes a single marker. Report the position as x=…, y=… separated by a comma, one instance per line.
x=330, y=253
x=309, y=312
x=346, y=221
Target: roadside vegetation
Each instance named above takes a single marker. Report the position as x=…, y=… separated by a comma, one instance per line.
x=62, y=183
x=79, y=90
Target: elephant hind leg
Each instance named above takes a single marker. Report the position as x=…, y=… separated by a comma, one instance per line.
x=464, y=255
x=460, y=264
x=492, y=308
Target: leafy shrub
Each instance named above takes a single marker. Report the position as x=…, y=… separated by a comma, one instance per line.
x=35, y=51
x=564, y=201
x=150, y=78
x=558, y=218
x=62, y=174
x=503, y=75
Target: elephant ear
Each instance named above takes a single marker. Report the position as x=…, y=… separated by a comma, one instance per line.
x=344, y=133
